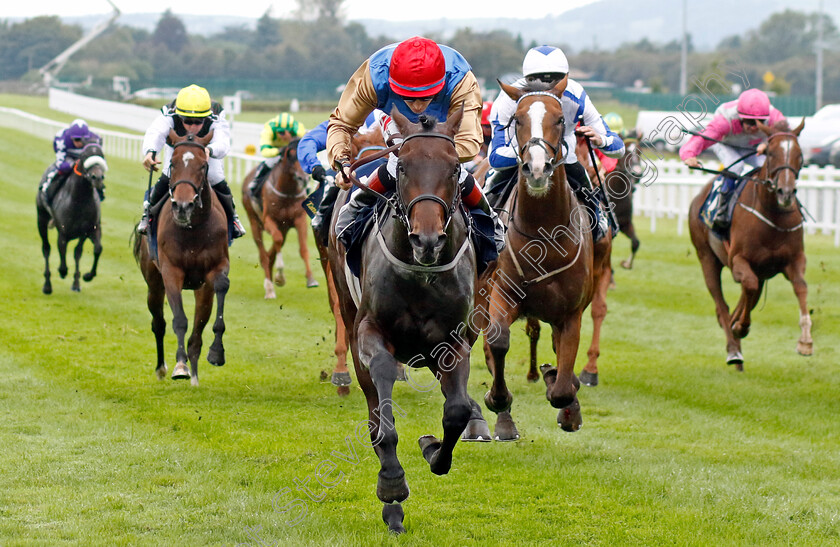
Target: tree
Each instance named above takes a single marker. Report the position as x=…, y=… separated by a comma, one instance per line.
x=31, y=44
x=171, y=32
x=321, y=10
x=268, y=31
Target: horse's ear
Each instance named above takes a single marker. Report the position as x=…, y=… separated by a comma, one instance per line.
x=513, y=92
x=172, y=138
x=799, y=127
x=205, y=140
x=560, y=86
x=766, y=129
x=453, y=123
x=403, y=124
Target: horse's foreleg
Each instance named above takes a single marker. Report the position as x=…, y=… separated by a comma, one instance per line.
x=203, y=308
x=457, y=409
x=43, y=230
x=380, y=367
x=77, y=257
x=502, y=314
x=589, y=374
x=751, y=286
x=795, y=272
x=275, y=253
x=341, y=375
x=97, y=250
x=302, y=229
x=174, y=282
x=221, y=284
x=61, y=243
x=712, y=269
x=562, y=389
x=630, y=231
x=532, y=329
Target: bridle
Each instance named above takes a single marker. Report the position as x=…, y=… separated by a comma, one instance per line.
x=771, y=182
x=195, y=188
x=556, y=151
x=402, y=211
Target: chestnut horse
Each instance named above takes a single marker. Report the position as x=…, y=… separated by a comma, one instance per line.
x=765, y=238
x=192, y=241
x=362, y=145
x=548, y=270
x=418, y=276
x=278, y=210
x=75, y=212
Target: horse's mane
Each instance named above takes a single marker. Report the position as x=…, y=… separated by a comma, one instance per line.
x=538, y=85
x=427, y=122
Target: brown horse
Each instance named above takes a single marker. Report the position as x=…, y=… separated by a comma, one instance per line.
x=278, y=210
x=361, y=146
x=548, y=270
x=192, y=238
x=620, y=185
x=765, y=238
x=418, y=276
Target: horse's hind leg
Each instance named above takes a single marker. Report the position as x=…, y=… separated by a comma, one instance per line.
x=43, y=230
x=77, y=257
x=751, y=287
x=563, y=385
x=532, y=329
x=795, y=272
x=154, y=301
x=630, y=231
x=61, y=243
x=275, y=254
x=216, y=355
x=97, y=250
x=302, y=229
x=589, y=374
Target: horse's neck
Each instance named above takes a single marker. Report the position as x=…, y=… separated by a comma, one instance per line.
x=285, y=181
x=78, y=187
x=551, y=209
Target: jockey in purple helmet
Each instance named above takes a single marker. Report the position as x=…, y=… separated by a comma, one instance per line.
x=68, y=145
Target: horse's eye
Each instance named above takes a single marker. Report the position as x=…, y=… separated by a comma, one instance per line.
x=400, y=167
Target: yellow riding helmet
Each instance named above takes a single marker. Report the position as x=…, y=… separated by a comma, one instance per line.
x=614, y=121
x=193, y=102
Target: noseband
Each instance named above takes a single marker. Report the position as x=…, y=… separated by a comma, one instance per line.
x=403, y=211
x=553, y=150
x=195, y=188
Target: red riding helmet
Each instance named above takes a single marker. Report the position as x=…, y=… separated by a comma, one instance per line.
x=417, y=68
x=486, y=106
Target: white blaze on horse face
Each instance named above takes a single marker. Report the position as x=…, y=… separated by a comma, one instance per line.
x=187, y=157
x=538, y=160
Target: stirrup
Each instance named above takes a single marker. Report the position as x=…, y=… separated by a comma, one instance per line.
x=238, y=229
x=143, y=226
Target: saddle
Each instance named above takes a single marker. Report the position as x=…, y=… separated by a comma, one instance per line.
x=708, y=211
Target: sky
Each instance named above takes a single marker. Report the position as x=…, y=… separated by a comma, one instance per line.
x=353, y=9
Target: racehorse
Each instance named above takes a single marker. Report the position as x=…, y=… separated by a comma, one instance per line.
x=192, y=253
x=548, y=271
x=418, y=275
x=765, y=238
x=620, y=185
x=361, y=146
x=280, y=209
x=75, y=212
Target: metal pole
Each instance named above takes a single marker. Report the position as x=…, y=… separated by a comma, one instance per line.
x=819, y=77
x=684, y=53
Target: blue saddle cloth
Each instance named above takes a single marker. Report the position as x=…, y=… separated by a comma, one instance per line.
x=708, y=211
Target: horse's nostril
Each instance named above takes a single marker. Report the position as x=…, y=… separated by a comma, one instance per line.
x=414, y=239
x=441, y=241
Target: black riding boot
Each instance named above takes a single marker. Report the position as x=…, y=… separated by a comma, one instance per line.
x=500, y=186
x=589, y=196
x=159, y=190
x=226, y=198
x=325, y=211
x=255, y=186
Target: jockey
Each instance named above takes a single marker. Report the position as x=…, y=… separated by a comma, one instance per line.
x=615, y=123
x=548, y=64
x=277, y=133
x=192, y=110
x=313, y=142
x=68, y=145
x=732, y=135
x=416, y=76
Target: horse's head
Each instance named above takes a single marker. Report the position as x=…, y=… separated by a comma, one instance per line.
x=630, y=163
x=187, y=174
x=427, y=182
x=364, y=144
x=93, y=164
x=539, y=126
x=784, y=160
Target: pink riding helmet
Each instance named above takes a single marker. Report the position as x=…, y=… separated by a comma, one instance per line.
x=753, y=104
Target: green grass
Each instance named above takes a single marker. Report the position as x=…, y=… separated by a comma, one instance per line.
x=676, y=448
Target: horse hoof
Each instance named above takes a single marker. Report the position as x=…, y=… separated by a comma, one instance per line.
x=549, y=374
x=269, y=290
x=88, y=277
x=626, y=264
x=805, y=348
x=341, y=379
x=588, y=378
x=181, y=372
x=569, y=418
x=401, y=374
x=47, y=289
x=477, y=430
x=343, y=391
x=279, y=278
x=506, y=428
x=76, y=288
x=62, y=273
x=498, y=405
x=311, y=284
x=735, y=358
x=392, y=490
x=194, y=381
x=392, y=515
x=161, y=372
x=216, y=356
x=439, y=463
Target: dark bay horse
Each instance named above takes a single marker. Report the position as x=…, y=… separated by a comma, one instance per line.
x=620, y=185
x=280, y=210
x=765, y=238
x=75, y=212
x=362, y=145
x=418, y=277
x=192, y=243
x=548, y=270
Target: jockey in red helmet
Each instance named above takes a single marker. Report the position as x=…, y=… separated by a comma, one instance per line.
x=416, y=76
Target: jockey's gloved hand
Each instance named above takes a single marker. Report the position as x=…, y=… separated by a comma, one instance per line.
x=319, y=174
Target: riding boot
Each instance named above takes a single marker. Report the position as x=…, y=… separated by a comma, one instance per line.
x=325, y=210
x=721, y=215
x=498, y=228
x=226, y=198
x=158, y=191
x=500, y=185
x=347, y=215
x=255, y=186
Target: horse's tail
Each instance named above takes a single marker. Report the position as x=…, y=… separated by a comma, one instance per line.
x=135, y=240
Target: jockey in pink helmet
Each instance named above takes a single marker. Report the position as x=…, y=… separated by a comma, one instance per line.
x=732, y=134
